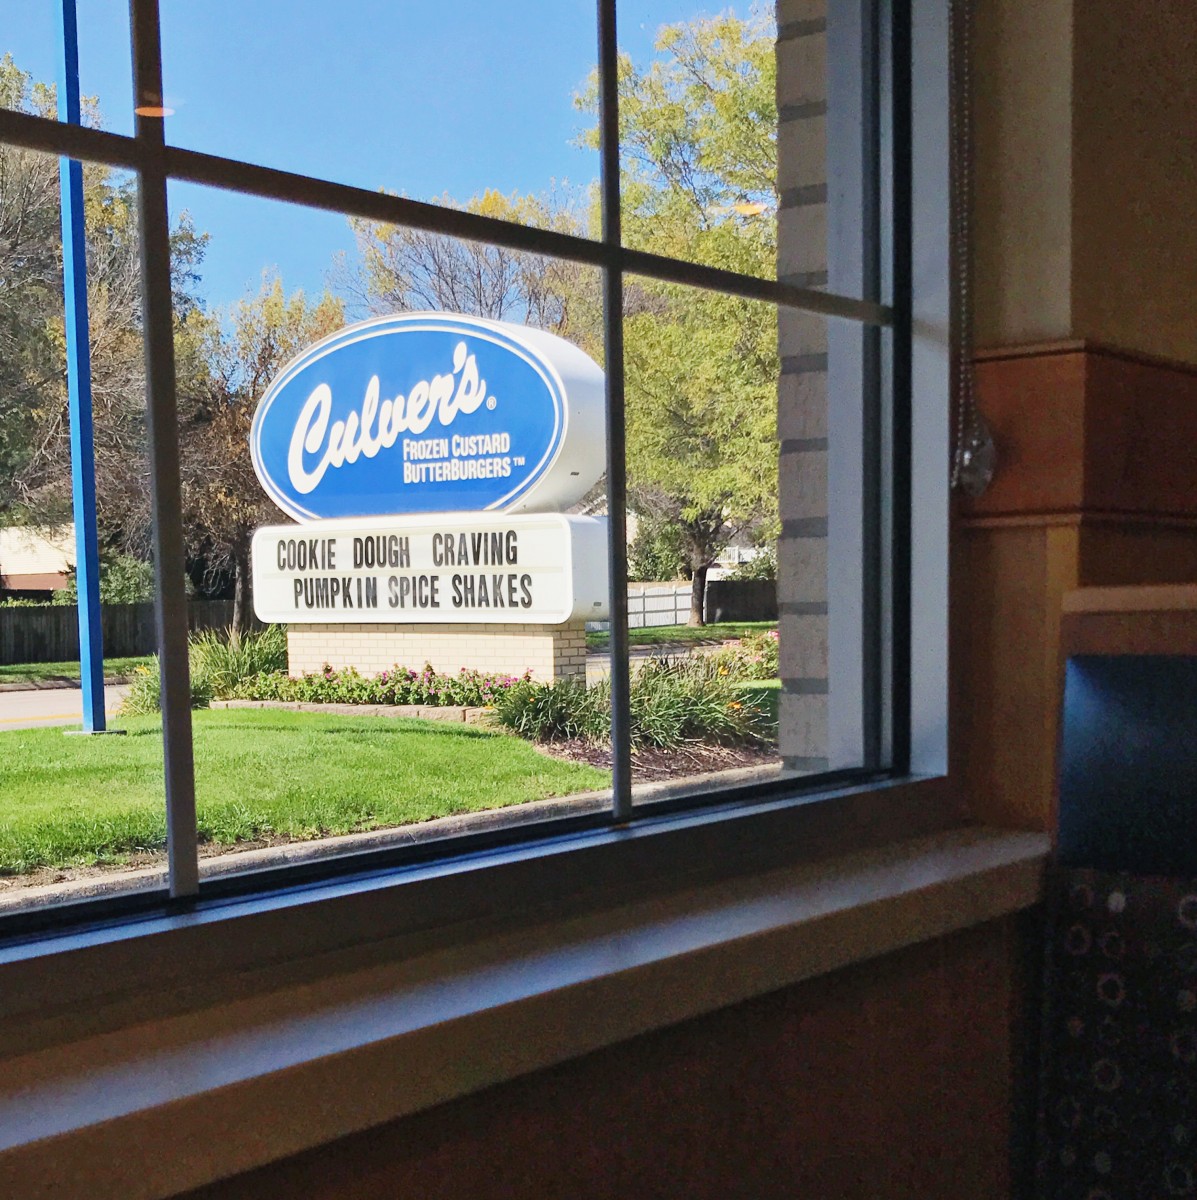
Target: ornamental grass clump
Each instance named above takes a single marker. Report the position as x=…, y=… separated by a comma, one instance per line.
x=225, y=658
x=674, y=702
x=683, y=701
x=218, y=662
x=564, y=711
x=145, y=692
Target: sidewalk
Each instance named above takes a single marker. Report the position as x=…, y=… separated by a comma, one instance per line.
x=34, y=707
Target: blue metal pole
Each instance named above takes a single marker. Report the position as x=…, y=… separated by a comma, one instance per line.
x=83, y=476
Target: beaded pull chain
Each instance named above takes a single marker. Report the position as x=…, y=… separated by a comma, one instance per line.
x=974, y=455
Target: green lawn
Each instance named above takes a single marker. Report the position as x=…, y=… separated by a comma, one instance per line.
x=663, y=635
x=260, y=773
x=41, y=672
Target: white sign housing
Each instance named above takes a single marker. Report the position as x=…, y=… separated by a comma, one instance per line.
x=444, y=568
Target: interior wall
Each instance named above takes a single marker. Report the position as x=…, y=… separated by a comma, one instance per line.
x=1134, y=197
x=889, y=1079
x=1022, y=170
x=1085, y=206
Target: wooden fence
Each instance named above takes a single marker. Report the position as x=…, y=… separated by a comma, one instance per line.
x=50, y=633
x=658, y=604
x=740, y=600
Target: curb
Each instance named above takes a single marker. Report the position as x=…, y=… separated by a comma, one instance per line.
x=58, y=685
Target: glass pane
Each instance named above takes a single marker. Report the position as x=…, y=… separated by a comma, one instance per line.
x=731, y=128
x=79, y=815
x=702, y=372
x=391, y=595
x=698, y=133
x=746, y=531
x=30, y=53
x=465, y=102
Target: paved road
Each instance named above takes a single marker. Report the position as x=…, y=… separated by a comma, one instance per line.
x=52, y=706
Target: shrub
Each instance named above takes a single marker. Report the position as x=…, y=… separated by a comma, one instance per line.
x=123, y=580
x=754, y=656
x=400, y=685
x=674, y=702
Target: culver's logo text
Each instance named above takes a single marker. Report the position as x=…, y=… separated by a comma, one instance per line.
x=430, y=412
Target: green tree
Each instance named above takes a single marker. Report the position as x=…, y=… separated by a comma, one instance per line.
x=35, y=475
x=224, y=367
x=30, y=281
x=656, y=551
x=698, y=131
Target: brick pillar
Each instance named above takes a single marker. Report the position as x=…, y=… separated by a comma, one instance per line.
x=802, y=388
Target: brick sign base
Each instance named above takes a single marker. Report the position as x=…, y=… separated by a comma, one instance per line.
x=548, y=651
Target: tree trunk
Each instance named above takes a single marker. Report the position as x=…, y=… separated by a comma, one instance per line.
x=698, y=595
x=241, y=586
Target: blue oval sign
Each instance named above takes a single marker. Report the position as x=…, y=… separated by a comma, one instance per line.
x=428, y=412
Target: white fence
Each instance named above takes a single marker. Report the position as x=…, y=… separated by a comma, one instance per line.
x=654, y=604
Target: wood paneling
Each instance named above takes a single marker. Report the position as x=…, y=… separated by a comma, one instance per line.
x=1008, y=581
x=1096, y=485
x=1087, y=429
x=1035, y=406
x=1140, y=436
x=895, y=1078
x=1134, y=620
x=1125, y=553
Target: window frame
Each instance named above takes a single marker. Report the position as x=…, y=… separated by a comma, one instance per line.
x=728, y=832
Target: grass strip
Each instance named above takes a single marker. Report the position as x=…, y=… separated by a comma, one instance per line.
x=681, y=635
x=259, y=774
x=114, y=668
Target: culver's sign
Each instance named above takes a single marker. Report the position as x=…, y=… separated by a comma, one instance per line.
x=454, y=568
x=428, y=413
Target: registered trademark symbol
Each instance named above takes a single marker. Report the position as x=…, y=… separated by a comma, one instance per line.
x=491, y=402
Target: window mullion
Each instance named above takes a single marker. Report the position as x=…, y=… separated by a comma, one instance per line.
x=617, y=548
x=170, y=598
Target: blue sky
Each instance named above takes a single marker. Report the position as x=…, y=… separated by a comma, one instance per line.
x=418, y=96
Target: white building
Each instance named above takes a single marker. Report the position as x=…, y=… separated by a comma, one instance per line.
x=35, y=560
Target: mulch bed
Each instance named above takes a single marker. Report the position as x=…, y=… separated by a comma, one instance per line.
x=649, y=765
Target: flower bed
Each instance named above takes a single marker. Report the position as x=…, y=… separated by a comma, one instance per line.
x=399, y=686
x=754, y=656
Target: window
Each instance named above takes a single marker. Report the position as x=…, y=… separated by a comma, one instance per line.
x=740, y=267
